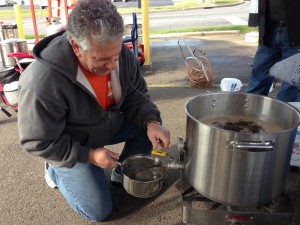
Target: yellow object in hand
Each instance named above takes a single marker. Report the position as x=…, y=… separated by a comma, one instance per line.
x=158, y=152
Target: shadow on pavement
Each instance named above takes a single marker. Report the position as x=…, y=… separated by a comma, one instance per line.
x=130, y=204
x=8, y=120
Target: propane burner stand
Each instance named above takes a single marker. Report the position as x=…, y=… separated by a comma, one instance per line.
x=199, y=210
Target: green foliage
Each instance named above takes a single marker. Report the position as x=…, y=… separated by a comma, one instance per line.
x=24, y=13
x=31, y=36
x=224, y=2
x=240, y=28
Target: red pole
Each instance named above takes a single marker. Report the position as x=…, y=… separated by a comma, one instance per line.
x=66, y=9
x=49, y=10
x=58, y=8
x=34, y=21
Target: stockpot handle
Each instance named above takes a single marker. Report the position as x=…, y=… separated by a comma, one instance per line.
x=253, y=146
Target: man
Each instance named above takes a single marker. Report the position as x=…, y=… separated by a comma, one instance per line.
x=279, y=38
x=85, y=91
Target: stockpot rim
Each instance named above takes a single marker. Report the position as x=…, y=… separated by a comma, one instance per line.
x=242, y=94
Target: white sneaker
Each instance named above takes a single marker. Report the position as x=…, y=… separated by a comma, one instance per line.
x=48, y=179
x=116, y=178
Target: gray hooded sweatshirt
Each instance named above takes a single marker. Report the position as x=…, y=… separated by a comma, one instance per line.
x=59, y=118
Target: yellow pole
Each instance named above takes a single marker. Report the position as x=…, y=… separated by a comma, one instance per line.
x=145, y=29
x=19, y=21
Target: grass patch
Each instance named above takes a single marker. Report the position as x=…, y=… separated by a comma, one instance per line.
x=31, y=36
x=242, y=29
x=226, y=2
x=24, y=13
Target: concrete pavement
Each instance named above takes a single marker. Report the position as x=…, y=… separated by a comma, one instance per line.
x=25, y=197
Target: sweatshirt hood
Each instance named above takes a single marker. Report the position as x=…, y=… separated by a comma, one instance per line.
x=46, y=51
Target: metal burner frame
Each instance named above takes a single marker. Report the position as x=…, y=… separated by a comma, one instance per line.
x=199, y=210
x=280, y=211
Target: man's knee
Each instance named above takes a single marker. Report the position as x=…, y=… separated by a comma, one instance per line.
x=97, y=215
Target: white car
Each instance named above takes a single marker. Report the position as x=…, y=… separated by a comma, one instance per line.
x=3, y=3
x=39, y=3
x=43, y=4
x=7, y=2
x=19, y=2
x=10, y=2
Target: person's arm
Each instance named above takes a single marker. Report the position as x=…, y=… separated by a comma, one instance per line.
x=41, y=123
x=137, y=105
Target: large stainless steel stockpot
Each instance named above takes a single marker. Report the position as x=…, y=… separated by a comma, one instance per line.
x=238, y=168
x=13, y=45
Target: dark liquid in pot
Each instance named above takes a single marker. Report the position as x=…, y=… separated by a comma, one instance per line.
x=242, y=124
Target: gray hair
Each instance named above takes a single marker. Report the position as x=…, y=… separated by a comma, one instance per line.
x=96, y=19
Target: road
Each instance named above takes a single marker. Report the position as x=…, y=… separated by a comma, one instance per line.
x=151, y=3
x=119, y=4
x=236, y=15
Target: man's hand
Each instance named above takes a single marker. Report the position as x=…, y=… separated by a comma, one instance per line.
x=103, y=157
x=158, y=135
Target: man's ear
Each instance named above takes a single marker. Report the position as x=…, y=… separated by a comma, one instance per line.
x=75, y=47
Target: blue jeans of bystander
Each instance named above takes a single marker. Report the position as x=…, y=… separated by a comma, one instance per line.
x=85, y=186
x=266, y=56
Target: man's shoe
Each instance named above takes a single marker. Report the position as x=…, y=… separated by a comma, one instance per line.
x=48, y=179
x=116, y=178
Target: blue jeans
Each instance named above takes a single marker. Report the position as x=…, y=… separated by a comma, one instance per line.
x=266, y=56
x=85, y=186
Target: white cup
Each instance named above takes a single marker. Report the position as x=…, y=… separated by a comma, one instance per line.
x=230, y=84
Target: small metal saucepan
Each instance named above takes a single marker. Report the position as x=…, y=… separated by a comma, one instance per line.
x=143, y=175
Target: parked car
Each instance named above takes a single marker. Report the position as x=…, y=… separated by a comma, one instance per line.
x=19, y=2
x=7, y=2
x=3, y=3
x=43, y=4
x=10, y=2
